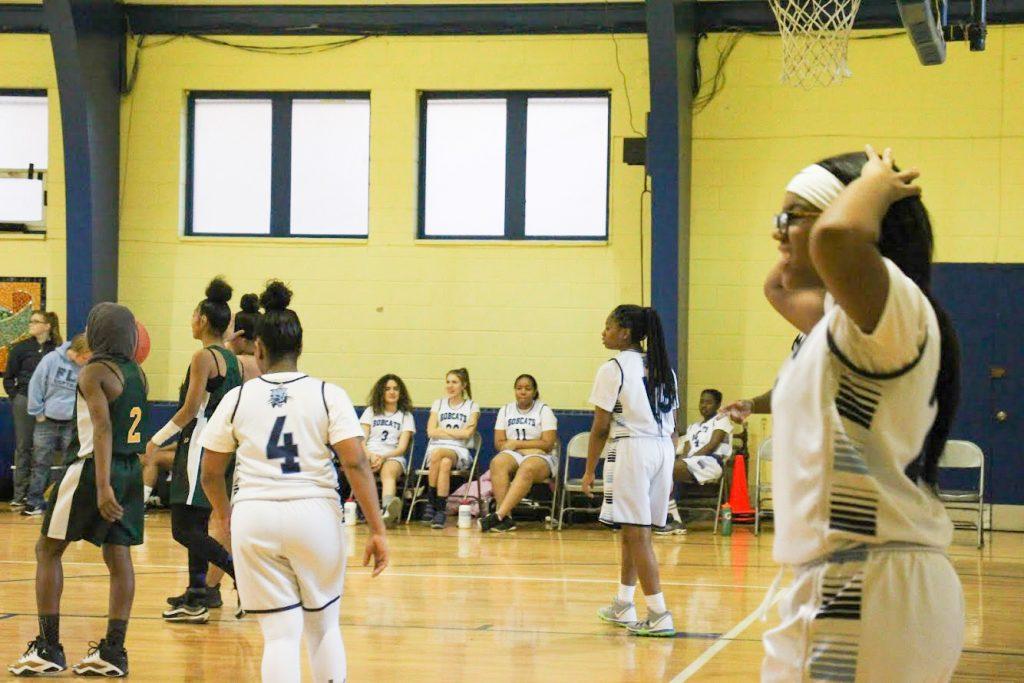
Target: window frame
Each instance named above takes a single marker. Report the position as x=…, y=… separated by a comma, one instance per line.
x=516, y=104
x=38, y=227
x=280, y=157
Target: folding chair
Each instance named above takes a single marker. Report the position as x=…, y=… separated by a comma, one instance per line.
x=423, y=471
x=707, y=502
x=965, y=455
x=762, y=491
x=530, y=503
x=576, y=450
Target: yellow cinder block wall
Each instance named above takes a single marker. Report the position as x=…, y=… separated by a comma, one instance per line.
x=26, y=62
x=961, y=123
x=389, y=303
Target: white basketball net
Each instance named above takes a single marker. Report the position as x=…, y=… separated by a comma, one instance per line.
x=815, y=35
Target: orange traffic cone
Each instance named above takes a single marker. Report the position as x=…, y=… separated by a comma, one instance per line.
x=739, y=497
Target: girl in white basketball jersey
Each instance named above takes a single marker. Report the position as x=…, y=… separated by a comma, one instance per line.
x=389, y=426
x=525, y=434
x=286, y=532
x=861, y=412
x=451, y=428
x=635, y=398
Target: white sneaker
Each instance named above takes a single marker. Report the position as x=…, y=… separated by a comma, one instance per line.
x=621, y=613
x=654, y=626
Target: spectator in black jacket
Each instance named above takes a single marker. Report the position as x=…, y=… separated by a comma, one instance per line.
x=44, y=331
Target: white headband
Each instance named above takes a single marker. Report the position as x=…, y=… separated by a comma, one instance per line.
x=817, y=185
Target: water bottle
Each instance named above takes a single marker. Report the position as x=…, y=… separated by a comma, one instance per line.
x=350, y=513
x=727, y=520
x=465, y=517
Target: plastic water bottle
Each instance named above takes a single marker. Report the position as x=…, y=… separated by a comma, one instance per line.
x=465, y=517
x=727, y=520
x=350, y=513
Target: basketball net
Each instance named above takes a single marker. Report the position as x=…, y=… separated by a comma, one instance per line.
x=815, y=36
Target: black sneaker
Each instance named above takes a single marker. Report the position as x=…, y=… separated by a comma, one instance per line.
x=488, y=521
x=213, y=599
x=103, y=660
x=504, y=525
x=31, y=511
x=40, y=658
x=192, y=611
x=439, y=520
x=176, y=600
x=428, y=514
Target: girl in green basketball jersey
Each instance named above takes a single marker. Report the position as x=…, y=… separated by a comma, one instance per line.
x=98, y=498
x=212, y=372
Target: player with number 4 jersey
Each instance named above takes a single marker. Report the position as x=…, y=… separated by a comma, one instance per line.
x=285, y=524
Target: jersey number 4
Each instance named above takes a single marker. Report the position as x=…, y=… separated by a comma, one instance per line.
x=282, y=447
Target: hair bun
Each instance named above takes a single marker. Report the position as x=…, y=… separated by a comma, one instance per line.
x=218, y=291
x=276, y=296
x=250, y=303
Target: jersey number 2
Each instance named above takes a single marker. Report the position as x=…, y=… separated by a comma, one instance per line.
x=133, y=432
x=281, y=447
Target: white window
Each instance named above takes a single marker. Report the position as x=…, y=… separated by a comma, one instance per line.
x=514, y=165
x=279, y=164
x=465, y=168
x=231, y=167
x=24, y=146
x=566, y=167
x=330, y=167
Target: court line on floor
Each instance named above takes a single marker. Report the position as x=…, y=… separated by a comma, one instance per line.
x=720, y=644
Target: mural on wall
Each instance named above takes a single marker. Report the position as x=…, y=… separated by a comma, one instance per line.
x=19, y=296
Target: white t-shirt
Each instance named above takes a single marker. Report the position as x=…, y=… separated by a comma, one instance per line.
x=280, y=426
x=851, y=411
x=528, y=426
x=699, y=434
x=385, y=429
x=453, y=418
x=620, y=389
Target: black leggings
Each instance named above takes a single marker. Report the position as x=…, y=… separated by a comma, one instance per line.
x=190, y=527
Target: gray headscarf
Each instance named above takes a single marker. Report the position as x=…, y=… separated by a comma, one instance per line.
x=111, y=332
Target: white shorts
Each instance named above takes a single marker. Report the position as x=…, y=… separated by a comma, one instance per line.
x=885, y=615
x=704, y=468
x=637, y=481
x=462, y=463
x=288, y=553
x=403, y=461
x=551, y=460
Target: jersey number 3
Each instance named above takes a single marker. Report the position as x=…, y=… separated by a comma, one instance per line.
x=281, y=447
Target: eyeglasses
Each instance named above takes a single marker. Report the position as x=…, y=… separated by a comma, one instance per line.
x=784, y=219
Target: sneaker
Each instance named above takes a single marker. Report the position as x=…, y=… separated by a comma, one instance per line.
x=487, y=522
x=30, y=511
x=671, y=528
x=178, y=600
x=440, y=518
x=503, y=525
x=40, y=658
x=393, y=513
x=192, y=610
x=103, y=660
x=428, y=514
x=620, y=613
x=654, y=626
x=213, y=599
x=17, y=504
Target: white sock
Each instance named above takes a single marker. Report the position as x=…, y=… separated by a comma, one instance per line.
x=282, y=642
x=625, y=593
x=656, y=603
x=147, y=491
x=673, y=510
x=324, y=644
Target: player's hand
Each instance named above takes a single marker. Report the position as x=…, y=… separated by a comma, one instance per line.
x=511, y=445
x=107, y=503
x=375, y=462
x=587, y=484
x=376, y=548
x=896, y=184
x=738, y=411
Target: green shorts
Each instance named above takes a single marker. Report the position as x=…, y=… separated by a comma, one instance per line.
x=72, y=514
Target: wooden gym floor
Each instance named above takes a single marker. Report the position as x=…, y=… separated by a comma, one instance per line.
x=459, y=606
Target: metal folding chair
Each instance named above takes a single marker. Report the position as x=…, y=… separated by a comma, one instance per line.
x=762, y=491
x=965, y=455
x=576, y=450
x=474, y=446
